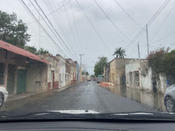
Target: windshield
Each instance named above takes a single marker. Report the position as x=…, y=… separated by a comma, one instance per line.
x=87, y=56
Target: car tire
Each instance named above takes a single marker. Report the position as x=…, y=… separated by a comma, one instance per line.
x=170, y=104
x=1, y=99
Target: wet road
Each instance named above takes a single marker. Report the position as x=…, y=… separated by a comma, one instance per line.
x=86, y=96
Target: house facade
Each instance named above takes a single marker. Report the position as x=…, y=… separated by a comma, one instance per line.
x=71, y=71
x=114, y=71
x=21, y=71
x=139, y=75
x=52, y=71
x=62, y=71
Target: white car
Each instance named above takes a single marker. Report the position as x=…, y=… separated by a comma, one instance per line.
x=169, y=98
x=3, y=95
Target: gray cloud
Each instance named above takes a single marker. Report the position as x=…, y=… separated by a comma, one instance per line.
x=70, y=21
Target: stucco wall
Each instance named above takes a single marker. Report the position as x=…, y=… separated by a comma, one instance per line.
x=146, y=81
x=145, y=75
x=62, y=72
x=53, y=71
x=36, y=80
x=117, y=70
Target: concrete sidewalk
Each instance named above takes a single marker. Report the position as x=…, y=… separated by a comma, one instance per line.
x=17, y=101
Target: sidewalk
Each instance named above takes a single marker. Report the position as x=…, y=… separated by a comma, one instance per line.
x=14, y=102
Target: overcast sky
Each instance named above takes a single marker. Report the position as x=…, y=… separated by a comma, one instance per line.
x=86, y=30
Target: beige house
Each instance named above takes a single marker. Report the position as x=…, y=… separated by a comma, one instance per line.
x=52, y=71
x=21, y=71
x=71, y=71
x=62, y=70
x=115, y=71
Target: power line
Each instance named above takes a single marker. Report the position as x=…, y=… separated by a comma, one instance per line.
x=61, y=38
x=127, y=14
x=91, y=24
x=150, y=21
x=29, y=10
x=59, y=8
x=46, y=23
x=163, y=22
x=69, y=25
x=158, y=12
x=75, y=29
x=109, y=19
x=49, y=6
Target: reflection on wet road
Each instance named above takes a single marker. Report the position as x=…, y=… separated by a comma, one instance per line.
x=154, y=100
x=86, y=96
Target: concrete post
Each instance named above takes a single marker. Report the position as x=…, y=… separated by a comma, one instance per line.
x=15, y=81
x=5, y=74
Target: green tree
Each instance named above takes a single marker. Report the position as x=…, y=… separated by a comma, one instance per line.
x=87, y=73
x=163, y=61
x=156, y=60
x=99, y=66
x=13, y=30
x=31, y=49
x=42, y=51
x=119, y=53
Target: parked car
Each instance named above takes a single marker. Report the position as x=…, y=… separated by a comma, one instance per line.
x=3, y=95
x=169, y=98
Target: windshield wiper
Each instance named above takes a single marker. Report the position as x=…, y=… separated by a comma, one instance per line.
x=120, y=117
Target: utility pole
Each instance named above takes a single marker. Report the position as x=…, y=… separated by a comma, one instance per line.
x=138, y=50
x=147, y=39
x=140, y=79
x=80, y=69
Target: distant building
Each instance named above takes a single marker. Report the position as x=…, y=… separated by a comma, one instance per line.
x=71, y=71
x=52, y=71
x=114, y=71
x=62, y=70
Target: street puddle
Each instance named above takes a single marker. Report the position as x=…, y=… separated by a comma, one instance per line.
x=155, y=100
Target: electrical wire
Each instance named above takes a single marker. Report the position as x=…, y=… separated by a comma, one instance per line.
x=91, y=24
x=49, y=6
x=150, y=21
x=46, y=23
x=127, y=14
x=61, y=38
x=31, y=13
x=110, y=20
x=163, y=23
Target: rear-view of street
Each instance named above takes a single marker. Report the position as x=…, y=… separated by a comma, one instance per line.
x=85, y=96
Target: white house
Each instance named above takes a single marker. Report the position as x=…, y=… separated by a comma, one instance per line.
x=62, y=70
x=139, y=75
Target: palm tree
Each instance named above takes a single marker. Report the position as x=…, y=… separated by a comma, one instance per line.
x=119, y=53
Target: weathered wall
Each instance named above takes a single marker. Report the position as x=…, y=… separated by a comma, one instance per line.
x=145, y=76
x=62, y=72
x=53, y=71
x=117, y=71
x=162, y=83
x=36, y=80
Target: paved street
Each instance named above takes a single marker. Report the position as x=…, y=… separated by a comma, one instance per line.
x=87, y=96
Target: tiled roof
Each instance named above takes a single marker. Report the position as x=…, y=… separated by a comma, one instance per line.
x=20, y=51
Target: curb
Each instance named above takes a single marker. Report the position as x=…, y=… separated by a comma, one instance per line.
x=15, y=104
